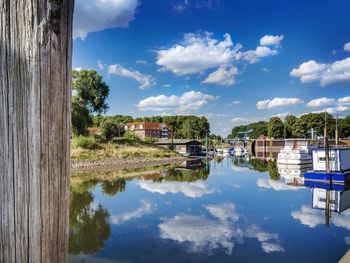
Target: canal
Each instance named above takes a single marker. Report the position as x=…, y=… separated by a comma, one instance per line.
x=225, y=210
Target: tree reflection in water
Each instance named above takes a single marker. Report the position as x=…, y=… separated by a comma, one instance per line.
x=88, y=225
x=260, y=165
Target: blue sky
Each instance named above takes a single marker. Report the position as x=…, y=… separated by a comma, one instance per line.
x=234, y=61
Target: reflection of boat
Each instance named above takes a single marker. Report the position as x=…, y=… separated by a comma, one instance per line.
x=338, y=201
x=295, y=151
x=293, y=170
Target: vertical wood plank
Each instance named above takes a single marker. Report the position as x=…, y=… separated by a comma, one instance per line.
x=35, y=75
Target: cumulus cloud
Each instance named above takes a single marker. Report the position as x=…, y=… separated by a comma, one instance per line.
x=203, y=234
x=145, y=81
x=347, y=46
x=197, y=53
x=320, y=102
x=275, y=185
x=269, y=40
x=97, y=15
x=314, y=217
x=188, y=101
x=222, y=76
x=344, y=100
x=282, y=115
x=145, y=208
x=278, y=102
x=325, y=74
x=253, y=56
x=333, y=110
x=194, y=189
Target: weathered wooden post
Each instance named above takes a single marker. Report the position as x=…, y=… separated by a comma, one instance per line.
x=35, y=77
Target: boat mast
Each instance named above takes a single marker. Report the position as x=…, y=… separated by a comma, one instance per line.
x=326, y=149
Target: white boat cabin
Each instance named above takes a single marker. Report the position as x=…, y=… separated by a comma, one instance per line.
x=339, y=159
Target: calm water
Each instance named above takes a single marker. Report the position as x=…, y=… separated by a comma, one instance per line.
x=235, y=210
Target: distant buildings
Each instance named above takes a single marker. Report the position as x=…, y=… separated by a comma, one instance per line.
x=182, y=146
x=149, y=130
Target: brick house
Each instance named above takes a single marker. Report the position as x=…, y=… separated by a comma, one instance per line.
x=149, y=129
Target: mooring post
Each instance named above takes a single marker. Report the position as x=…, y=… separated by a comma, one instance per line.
x=35, y=91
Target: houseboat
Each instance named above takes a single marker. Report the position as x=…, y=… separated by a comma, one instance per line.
x=296, y=152
x=337, y=171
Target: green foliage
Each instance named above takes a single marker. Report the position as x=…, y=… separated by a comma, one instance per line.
x=111, y=188
x=275, y=128
x=299, y=129
x=88, y=143
x=81, y=118
x=273, y=170
x=259, y=128
x=288, y=124
x=111, y=129
x=91, y=90
x=344, y=127
x=88, y=227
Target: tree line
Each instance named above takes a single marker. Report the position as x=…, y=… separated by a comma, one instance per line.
x=89, y=104
x=296, y=127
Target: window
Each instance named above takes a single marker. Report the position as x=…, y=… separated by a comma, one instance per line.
x=323, y=159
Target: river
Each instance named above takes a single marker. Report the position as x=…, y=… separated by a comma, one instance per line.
x=224, y=210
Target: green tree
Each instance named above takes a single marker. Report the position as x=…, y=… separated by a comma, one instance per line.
x=344, y=127
x=111, y=129
x=275, y=128
x=81, y=118
x=288, y=125
x=299, y=129
x=91, y=90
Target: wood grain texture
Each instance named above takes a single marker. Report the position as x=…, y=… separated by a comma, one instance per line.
x=35, y=81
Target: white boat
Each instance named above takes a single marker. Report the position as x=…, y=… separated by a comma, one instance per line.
x=339, y=201
x=296, y=152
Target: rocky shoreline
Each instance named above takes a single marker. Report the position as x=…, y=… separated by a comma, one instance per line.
x=122, y=163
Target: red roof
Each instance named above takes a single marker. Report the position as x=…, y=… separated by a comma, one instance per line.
x=148, y=125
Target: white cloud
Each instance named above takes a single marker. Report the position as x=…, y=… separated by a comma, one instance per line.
x=188, y=101
x=253, y=56
x=141, y=61
x=197, y=53
x=333, y=110
x=183, y=5
x=275, y=185
x=166, y=86
x=278, y=102
x=265, y=70
x=100, y=65
x=235, y=102
x=344, y=100
x=240, y=120
x=320, y=102
x=282, y=116
x=272, y=247
x=194, y=189
x=347, y=46
x=325, y=74
x=202, y=233
x=97, y=15
x=269, y=40
x=145, y=81
x=314, y=217
x=145, y=208
x=222, y=76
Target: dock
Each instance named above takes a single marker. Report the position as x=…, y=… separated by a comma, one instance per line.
x=345, y=258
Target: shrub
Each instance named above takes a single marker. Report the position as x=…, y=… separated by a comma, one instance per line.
x=84, y=142
x=111, y=129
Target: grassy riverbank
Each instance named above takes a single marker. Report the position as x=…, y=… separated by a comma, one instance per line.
x=89, y=148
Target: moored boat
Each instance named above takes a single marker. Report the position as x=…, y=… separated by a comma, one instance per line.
x=296, y=152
